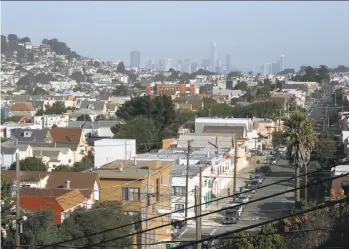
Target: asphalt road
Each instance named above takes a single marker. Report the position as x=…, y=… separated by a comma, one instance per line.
x=254, y=212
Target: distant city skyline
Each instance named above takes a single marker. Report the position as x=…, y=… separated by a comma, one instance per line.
x=252, y=33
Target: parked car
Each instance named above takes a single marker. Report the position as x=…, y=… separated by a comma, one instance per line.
x=266, y=170
x=174, y=232
x=230, y=217
x=273, y=160
x=282, y=148
x=259, y=178
x=254, y=185
x=236, y=208
x=243, y=197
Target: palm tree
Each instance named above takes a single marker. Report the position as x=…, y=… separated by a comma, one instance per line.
x=299, y=132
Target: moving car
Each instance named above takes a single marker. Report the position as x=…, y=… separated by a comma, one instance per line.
x=259, y=178
x=282, y=148
x=273, y=160
x=266, y=170
x=230, y=217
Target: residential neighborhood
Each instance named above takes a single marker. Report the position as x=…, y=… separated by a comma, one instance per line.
x=97, y=153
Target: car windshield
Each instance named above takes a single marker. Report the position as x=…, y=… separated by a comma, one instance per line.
x=230, y=213
x=254, y=182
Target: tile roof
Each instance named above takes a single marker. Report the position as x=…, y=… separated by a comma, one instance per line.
x=21, y=107
x=66, y=135
x=66, y=198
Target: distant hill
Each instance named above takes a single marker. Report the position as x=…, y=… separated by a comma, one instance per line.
x=10, y=44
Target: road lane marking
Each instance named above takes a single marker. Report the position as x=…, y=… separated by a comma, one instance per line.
x=182, y=233
x=214, y=230
x=250, y=218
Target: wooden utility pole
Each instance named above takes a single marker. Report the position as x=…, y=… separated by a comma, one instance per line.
x=200, y=195
x=235, y=163
x=18, y=210
x=198, y=212
x=124, y=163
x=187, y=181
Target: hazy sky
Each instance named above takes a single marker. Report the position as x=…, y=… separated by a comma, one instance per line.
x=252, y=32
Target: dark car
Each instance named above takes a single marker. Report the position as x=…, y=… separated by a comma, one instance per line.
x=230, y=217
x=259, y=178
x=266, y=170
x=254, y=185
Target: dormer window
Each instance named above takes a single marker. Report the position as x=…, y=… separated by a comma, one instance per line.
x=27, y=134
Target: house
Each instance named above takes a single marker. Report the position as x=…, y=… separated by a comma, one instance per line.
x=21, y=109
x=99, y=128
x=9, y=150
x=47, y=121
x=108, y=150
x=342, y=182
x=30, y=135
x=191, y=102
x=71, y=137
x=62, y=202
x=86, y=182
x=53, y=157
x=97, y=106
x=127, y=181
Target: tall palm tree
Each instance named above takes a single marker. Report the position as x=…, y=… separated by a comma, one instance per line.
x=299, y=132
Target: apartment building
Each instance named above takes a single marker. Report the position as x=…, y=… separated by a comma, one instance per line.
x=170, y=89
x=144, y=188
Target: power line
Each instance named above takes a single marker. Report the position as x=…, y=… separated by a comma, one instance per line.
x=324, y=205
x=186, y=219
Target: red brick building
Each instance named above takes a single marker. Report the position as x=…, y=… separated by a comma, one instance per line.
x=170, y=89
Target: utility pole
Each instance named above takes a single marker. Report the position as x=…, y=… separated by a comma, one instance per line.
x=235, y=163
x=200, y=196
x=18, y=214
x=255, y=151
x=187, y=180
x=198, y=212
x=209, y=112
x=146, y=210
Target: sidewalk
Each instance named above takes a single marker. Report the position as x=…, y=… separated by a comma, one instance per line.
x=242, y=177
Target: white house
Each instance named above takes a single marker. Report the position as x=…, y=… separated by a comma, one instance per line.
x=108, y=150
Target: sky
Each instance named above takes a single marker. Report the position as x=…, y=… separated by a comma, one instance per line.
x=307, y=33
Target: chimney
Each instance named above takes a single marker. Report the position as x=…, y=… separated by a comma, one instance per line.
x=67, y=184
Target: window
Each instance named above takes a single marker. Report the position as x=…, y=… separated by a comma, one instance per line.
x=178, y=191
x=162, y=180
x=153, y=209
x=130, y=194
x=179, y=207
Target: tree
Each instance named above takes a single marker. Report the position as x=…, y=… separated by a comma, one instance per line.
x=57, y=107
x=143, y=130
x=40, y=112
x=86, y=163
x=120, y=67
x=263, y=92
x=243, y=86
x=278, y=138
x=159, y=77
x=287, y=71
x=257, y=240
x=234, y=75
x=116, y=128
x=6, y=202
x=38, y=229
x=78, y=76
x=84, y=117
x=15, y=119
x=60, y=48
x=186, y=115
x=64, y=168
x=30, y=164
x=121, y=90
x=325, y=148
x=24, y=40
x=105, y=215
x=100, y=117
x=299, y=132
x=160, y=109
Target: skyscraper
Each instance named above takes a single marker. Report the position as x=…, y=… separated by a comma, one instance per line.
x=228, y=62
x=135, y=59
x=213, y=56
x=282, y=62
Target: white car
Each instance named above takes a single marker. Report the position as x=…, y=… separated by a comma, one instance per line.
x=282, y=148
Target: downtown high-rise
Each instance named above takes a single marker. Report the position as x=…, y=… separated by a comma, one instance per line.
x=213, y=56
x=135, y=59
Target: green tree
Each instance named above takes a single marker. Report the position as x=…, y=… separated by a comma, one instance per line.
x=325, y=148
x=40, y=112
x=24, y=40
x=116, y=128
x=30, y=164
x=263, y=92
x=287, y=71
x=121, y=90
x=78, y=76
x=300, y=135
x=241, y=86
x=234, y=75
x=159, y=77
x=86, y=163
x=278, y=138
x=106, y=215
x=143, y=130
x=84, y=117
x=6, y=202
x=186, y=115
x=12, y=119
x=100, y=117
x=120, y=67
x=60, y=48
x=64, y=168
x=160, y=109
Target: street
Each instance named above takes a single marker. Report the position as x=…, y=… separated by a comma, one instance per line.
x=254, y=212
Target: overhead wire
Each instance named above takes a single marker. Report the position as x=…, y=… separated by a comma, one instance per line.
x=197, y=216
